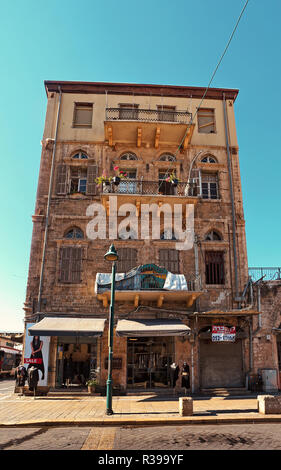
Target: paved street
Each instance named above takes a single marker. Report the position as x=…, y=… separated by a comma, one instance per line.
x=174, y=438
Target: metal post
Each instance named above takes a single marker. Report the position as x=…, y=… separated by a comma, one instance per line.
x=109, y=410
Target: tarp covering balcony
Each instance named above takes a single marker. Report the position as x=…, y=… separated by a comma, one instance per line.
x=54, y=326
x=159, y=327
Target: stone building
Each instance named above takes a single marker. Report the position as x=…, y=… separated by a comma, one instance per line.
x=172, y=305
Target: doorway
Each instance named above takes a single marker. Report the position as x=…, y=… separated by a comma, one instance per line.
x=149, y=359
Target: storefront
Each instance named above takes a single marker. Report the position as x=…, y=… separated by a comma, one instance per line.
x=75, y=342
x=151, y=350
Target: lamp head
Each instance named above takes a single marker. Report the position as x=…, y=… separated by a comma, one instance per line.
x=111, y=255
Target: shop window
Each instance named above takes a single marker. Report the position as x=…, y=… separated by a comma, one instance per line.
x=83, y=114
x=71, y=264
x=214, y=264
x=169, y=259
x=206, y=121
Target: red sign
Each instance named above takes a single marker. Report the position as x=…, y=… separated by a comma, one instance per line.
x=223, y=333
x=30, y=360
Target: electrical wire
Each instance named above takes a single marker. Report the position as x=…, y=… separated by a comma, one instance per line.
x=209, y=84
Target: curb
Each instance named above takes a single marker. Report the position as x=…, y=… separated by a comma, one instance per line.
x=147, y=422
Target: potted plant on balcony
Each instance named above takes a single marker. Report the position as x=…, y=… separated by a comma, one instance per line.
x=172, y=179
x=103, y=179
x=118, y=176
x=91, y=384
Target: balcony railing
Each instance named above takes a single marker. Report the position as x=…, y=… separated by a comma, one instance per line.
x=147, y=115
x=153, y=188
x=268, y=274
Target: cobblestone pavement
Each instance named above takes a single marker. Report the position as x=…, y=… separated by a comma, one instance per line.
x=43, y=438
x=199, y=437
x=169, y=438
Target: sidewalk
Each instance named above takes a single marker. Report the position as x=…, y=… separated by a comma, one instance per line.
x=128, y=410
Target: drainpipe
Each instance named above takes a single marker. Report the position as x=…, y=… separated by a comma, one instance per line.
x=232, y=203
x=48, y=210
x=259, y=305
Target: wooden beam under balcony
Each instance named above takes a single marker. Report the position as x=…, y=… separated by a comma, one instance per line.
x=158, y=296
x=139, y=137
x=188, y=136
x=157, y=137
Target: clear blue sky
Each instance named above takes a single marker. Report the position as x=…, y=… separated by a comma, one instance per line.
x=161, y=42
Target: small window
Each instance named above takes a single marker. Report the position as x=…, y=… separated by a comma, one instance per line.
x=206, y=121
x=166, y=113
x=80, y=156
x=208, y=159
x=167, y=157
x=168, y=235
x=214, y=267
x=128, y=156
x=83, y=113
x=169, y=259
x=128, y=111
x=212, y=236
x=127, y=259
x=70, y=264
x=74, y=233
x=210, y=187
x=78, y=180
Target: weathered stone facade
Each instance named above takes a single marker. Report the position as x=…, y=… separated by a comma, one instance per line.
x=104, y=142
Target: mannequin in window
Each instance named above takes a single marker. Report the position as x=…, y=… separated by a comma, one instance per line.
x=185, y=377
x=174, y=374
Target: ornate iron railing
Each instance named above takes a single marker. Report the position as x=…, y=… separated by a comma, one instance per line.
x=152, y=188
x=268, y=274
x=147, y=115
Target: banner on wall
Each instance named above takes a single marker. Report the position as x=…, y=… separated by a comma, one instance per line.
x=36, y=352
x=223, y=333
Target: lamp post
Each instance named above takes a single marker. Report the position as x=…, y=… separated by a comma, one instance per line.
x=111, y=255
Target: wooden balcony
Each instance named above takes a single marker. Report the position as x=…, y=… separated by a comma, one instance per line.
x=149, y=128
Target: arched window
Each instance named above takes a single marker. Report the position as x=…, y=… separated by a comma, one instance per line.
x=167, y=157
x=74, y=234
x=212, y=236
x=209, y=159
x=80, y=156
x=128, y=156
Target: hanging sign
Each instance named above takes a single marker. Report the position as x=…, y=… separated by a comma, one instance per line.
x=222, y=333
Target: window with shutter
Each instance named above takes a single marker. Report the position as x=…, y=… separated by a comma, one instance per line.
x=169, y=259
x=83, y=113
x=92, y=173
x=71, y=264
x=214, y=267
x=127, y=259
x=61, y=183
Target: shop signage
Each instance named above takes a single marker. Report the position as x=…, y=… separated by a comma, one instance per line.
x=36, y=352
x=223, y=333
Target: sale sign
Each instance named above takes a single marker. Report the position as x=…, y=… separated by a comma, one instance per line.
x=223, y=333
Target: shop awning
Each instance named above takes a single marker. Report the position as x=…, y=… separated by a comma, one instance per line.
x=163, y=327
x=53, y=326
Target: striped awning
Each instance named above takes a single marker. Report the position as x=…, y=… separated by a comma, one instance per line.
x=151, y=327
x=54, y=326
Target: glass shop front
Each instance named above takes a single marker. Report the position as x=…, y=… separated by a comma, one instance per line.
x=149, y=360
x=78, y=360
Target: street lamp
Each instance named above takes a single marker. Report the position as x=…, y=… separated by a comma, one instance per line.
x=111, y=255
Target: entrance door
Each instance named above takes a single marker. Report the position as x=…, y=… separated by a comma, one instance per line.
x=149, y=360
x=221, y=364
